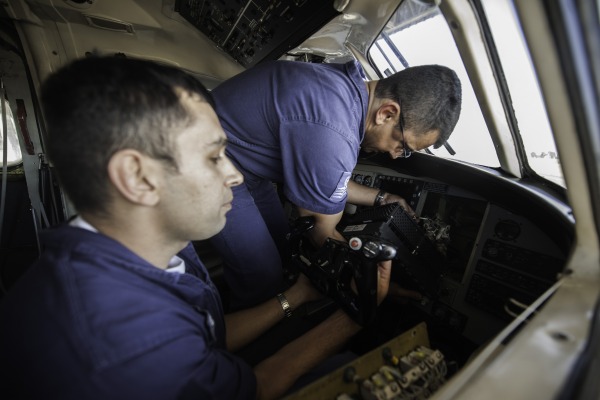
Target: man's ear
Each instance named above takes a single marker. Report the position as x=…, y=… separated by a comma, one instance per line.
x=387, y=112
x=135, y=176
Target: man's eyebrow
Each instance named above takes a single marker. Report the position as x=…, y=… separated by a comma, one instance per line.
x=220, y=142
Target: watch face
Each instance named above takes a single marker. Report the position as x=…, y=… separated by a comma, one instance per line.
x=285, y=305
x=379, y=198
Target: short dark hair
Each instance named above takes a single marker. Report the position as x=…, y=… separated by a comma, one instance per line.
x=430, y=97
x=96, y=106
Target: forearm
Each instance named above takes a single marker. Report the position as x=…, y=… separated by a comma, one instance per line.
x=245, y=326
x=361, y=195
x=319, y=235
x=277, y=374
x=324, y=226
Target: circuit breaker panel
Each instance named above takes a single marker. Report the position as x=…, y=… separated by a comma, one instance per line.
x=401, y=369
x=254, y=30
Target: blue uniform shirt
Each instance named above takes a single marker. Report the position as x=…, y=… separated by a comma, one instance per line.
x=92, y=320
x=303, y=127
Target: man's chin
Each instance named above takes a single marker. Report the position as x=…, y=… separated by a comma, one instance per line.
x=218, y=227
x=212, y=231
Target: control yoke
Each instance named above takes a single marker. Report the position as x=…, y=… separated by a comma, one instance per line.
x=346, y=272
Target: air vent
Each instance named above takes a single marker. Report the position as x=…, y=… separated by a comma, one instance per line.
x=109, y=24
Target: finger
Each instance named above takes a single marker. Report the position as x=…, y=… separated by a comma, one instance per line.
x=384, y=268
x=407, y=207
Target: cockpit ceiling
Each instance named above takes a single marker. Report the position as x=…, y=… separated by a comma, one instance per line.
x=213, y=39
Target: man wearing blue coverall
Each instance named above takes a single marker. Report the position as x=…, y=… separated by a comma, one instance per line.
x=301, y=126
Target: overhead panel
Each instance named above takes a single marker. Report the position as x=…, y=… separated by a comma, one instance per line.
x=257, y=30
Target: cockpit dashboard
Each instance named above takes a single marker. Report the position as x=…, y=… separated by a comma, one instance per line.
x=495, y=260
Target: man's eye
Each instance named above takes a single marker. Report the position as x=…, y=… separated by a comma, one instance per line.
x=218, y=157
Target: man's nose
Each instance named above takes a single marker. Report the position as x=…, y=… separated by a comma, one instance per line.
x=234, y=177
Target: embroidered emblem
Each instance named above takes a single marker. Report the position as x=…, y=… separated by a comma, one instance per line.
x=342, y=188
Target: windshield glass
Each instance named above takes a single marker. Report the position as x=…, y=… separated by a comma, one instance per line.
x=527, y=101
x=13, y=151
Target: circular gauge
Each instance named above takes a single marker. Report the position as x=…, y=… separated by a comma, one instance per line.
x=507, y=229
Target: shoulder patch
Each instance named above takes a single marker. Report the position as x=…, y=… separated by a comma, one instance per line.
x=341, y=189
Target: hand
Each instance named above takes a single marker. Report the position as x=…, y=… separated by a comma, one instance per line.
x=302, y=292
x=390, y=198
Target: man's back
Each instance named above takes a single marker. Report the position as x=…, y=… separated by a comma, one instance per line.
x=261, y=107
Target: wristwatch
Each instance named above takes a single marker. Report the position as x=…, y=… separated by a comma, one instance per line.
x=379, y=198
x=285, y=305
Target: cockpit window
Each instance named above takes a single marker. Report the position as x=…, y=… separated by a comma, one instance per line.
x=14, y=156
x=416, y=35
x=527, y=102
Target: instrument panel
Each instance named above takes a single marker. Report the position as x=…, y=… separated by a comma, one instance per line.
x=495, y=262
